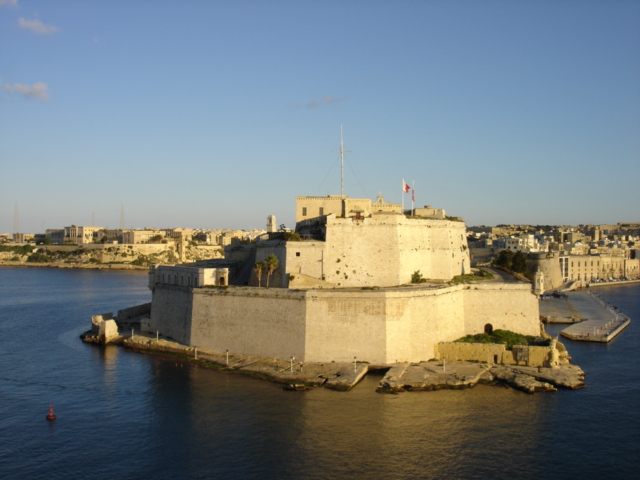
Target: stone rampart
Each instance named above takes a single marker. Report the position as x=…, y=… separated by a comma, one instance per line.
x=506, y=306
x=378, y=325
x=133, y=312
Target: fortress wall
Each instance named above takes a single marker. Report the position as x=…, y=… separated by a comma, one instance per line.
x=171, y=310
x=437, y=248
x=341, y=325
x=133, y=312
x=419, y=319
x=362, y=252
x=249, y=321
x=377, y=326
x=382, y=326
x=305, y=258
x=385, y=250
x=507, y=306
x=550, y=267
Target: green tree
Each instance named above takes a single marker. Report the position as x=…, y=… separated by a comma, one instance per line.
x=258, y=267
x=271, y=262
x=505, y=259
x=519, y=262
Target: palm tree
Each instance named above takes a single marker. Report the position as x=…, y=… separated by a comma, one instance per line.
x=259, y=266
x=271, y=262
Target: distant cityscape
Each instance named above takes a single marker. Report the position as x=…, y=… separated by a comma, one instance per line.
x=584, y=252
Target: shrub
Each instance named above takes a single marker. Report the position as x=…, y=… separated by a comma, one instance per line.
x=417, y=277
x=504, y=337
x=39, y=258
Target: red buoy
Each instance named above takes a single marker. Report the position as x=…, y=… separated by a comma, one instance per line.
x=51, y=415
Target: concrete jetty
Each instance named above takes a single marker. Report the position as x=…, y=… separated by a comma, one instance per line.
x=597, y=320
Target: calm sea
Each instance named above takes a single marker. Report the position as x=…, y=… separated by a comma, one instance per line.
x=126, y=415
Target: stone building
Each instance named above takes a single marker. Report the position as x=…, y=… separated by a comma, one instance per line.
x=344, y=291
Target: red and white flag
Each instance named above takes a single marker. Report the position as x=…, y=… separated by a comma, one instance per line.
x=405, y=186
x=413, y=195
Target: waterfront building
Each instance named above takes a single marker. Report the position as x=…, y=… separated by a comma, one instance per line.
x=343, y=289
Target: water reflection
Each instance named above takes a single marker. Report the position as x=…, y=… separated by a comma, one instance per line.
x=228, y=424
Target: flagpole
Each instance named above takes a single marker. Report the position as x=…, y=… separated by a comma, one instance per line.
x=413, y=191
x=403, y=184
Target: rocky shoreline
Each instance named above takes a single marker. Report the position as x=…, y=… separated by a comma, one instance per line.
x=90, y=266
x=423, y=376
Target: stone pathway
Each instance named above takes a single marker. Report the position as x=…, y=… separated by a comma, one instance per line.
x=603, y=321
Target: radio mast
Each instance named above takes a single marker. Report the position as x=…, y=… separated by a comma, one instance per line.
x=342, y=150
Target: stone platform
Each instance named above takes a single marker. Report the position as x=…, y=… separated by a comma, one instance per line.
x=424, y=376
x=603, y=322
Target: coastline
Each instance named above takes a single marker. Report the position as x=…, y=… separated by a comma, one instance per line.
x=90, y=266
x=401, y=377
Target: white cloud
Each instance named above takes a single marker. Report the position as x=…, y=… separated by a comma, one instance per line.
x=8, y=2
x=37, y=90
x=332, y=99
x=36, y=26
x=325, y=100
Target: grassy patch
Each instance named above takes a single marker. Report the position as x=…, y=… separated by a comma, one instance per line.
x=471, y=277
x=504, y=337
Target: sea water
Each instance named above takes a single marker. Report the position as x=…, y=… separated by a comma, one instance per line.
x=128, y=415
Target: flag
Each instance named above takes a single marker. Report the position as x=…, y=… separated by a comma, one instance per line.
x=405, y=186
x=413, y=195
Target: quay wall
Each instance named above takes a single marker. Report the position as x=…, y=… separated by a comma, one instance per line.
x=491, y=353
x=378, y=326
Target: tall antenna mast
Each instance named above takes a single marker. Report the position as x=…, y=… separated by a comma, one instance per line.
x=342, y=150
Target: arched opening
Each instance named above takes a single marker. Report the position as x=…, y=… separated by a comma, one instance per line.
x=488, y=329
x=222, y=281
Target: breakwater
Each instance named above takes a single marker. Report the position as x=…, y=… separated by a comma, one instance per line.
x=603, y=323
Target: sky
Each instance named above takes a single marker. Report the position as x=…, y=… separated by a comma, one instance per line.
x=216, y=114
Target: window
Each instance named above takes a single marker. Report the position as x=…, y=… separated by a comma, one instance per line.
x=304, y=211
x=297, y=254
x=321, y=210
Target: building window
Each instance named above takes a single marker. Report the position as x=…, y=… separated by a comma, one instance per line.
x=304, y=211
x=321, y=210
x=297, y=254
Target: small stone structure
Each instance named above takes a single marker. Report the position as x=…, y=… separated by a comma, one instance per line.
x=492, y=353
x=108, y=331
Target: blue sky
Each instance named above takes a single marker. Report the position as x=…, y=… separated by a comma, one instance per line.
x=215, y=114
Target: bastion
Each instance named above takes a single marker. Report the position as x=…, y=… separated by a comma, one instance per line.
x=340, y=288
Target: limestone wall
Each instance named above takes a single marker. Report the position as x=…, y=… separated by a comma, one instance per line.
x=507, y=306
x=132, y=312
x=493, y=353
x=431, y=316
x=342, y=325
x=379, y=326
x=171, y=312
x=549, y=265
x=385, y=250
x=249, y=321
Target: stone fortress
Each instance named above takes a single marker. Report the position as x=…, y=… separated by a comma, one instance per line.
x=342, y=289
